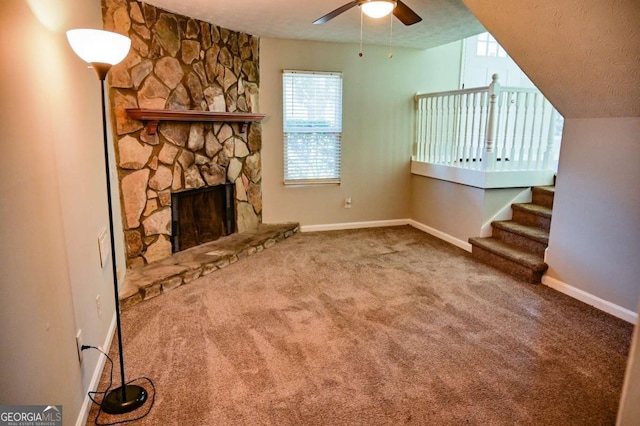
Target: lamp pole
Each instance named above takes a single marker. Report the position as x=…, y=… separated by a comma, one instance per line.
x=116, y=402
x=102, y=49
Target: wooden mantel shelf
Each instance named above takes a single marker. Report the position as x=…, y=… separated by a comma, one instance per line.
x=154, y=116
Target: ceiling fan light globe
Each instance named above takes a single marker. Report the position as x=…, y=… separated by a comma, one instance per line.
x=378, y=8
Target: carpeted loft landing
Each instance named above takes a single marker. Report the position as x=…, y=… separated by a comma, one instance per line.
x=384, y=326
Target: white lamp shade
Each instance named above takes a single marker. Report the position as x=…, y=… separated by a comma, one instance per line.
x=98, y=46
x=378, y=9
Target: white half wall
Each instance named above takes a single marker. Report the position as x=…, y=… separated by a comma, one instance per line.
x=378, y=127
x=447, y=207
x=457, y=210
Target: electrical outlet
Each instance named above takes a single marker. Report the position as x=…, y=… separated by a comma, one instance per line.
x=99, y=306
x=79, y=345
x=347, y=203
x=103, y=247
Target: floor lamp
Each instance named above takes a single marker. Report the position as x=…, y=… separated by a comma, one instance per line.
x=103, y=49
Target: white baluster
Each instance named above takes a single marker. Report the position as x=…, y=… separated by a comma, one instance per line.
x=451, y=125
x=506, y=99
x=432, y=129
x=472, y=149
x=524, y=134
x=459, y=142
x=533, y=124
x=516, y=119
x=479, y=140
x=540, y=150
x=450, y=128
x=420, y=131
x=446, y=128
x=423, y=128
x=438, y=130
x=456, y=130
x=465, y=147
x=482, y=130
x=548, y=153
x=498, y=128
x=416, y=143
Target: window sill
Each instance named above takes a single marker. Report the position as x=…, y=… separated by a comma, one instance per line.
x=311, y=182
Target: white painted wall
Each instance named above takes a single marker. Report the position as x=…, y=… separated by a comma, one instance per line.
x=53, y=206
x=459, y=211
x=448, y=207
x=595, y=232
x=378, y=127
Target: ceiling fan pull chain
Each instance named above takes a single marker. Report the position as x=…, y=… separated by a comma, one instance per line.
x=361, y=14
x=391, y=37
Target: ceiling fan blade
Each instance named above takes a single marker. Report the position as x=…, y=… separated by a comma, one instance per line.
x=405, y=14
x=329, y=16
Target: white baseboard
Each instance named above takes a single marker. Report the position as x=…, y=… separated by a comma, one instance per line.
x=97, y=373
x=396, y=222
x=353, y=225
x=439, y=234
x=590, y=299
x=576, y=293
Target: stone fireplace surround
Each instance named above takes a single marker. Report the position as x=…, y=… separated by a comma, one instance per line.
x=179, y=63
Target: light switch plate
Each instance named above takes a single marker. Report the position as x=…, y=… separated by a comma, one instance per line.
x=103, y=247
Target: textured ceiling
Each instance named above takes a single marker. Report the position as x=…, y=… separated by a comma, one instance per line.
x=583, y=55
x=443, y=21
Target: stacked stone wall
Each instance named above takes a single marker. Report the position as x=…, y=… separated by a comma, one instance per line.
x=180, y=63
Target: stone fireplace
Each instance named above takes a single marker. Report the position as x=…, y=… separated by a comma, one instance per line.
x=178, y=63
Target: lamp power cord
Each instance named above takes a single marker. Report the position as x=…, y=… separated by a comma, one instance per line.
x=93, y=394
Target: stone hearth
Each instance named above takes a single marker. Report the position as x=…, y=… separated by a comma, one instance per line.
x=181, y=268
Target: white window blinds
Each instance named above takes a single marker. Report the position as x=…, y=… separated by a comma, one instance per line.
x=312, y=126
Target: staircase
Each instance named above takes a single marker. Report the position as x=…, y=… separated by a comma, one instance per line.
x=517, y=246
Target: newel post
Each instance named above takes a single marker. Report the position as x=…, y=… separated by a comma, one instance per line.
x=489, y=154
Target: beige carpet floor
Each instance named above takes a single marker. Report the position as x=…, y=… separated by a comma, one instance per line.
x=384, y=326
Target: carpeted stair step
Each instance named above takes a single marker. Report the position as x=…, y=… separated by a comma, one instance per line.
x=515, y=261
x=530, y=238
x=532, y=214
x=543, y=195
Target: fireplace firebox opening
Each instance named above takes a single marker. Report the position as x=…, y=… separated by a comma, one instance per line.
x=201, y=215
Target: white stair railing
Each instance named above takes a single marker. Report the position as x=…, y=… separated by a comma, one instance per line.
x=486, y=128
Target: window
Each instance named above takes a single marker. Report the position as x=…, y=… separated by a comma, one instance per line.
x=312, y=126
x=488, y=46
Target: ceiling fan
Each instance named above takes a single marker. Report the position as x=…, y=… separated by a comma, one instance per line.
x=376, y=9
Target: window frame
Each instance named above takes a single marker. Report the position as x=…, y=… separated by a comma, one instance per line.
x=327, y=125
x=488, y=46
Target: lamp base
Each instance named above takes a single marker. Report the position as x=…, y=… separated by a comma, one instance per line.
x=113, y=402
